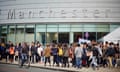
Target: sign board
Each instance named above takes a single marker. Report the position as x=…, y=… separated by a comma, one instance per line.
x=28, y=11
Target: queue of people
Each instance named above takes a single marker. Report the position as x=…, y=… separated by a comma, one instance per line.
x=77, y=55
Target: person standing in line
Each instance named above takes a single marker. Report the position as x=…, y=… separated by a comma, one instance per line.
x=17, y=51
x=47, y=54
x=78, y=55
x=84, y=56
x=117, y=54
x=99, y=57
x=104, y=56
x=60, y=54
x=7, y=50
x=40, y=52
x=24, y=54
x=73, y=52
x=110, y=54
x=65, y=55
x=89, y=55
x=54, y=50
x=11, y=52
x=33, y=52
x=2, y=50
x=96, y=53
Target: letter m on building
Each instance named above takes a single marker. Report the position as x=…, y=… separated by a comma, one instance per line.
x=11, y=14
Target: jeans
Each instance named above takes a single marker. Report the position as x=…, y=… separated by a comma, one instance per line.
x=24, y=58
x=65, y=61
x=60, y=59
x=94, y=61
x=55, y=59
x=47, y=59
x=34, y=57
x=74, y=61
x=78, y=62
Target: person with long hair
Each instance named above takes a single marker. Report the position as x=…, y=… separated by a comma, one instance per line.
x=65, y=55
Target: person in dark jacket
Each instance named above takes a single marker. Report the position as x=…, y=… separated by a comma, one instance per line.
x=24, y=53
x=110, y=54
x=55, y=54
x=7, y=50
x=18, y=48
x=95, y=57
x=33, y=52
x=84, y=56
x=2, y=50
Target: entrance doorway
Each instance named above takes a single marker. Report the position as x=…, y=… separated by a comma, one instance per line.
x=63, y=37
x=77, y=35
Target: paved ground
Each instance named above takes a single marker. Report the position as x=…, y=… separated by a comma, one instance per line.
x=41, y=68
x=15, y=68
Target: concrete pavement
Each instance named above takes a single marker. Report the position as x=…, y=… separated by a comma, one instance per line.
x=15, y=68
x=70, y=69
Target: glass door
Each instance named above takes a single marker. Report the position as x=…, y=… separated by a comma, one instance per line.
x=63, y=37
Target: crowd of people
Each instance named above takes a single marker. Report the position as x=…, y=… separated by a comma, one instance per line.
x=94, y=54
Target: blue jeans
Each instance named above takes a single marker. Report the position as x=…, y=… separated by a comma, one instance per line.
x=94, y=61
x=78, y=62
x=60, y=59
x=55, y=59
x=24, y=58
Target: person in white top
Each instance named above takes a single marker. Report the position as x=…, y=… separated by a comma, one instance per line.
x=40, y=52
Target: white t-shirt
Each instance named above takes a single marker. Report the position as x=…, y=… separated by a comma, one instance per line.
x=40, y=50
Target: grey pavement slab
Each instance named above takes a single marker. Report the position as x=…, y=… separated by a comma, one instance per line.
x=66, y=69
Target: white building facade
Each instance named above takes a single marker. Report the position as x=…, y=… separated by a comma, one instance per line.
x=63, y=21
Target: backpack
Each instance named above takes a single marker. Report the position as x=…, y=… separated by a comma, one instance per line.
x=110, y=52
x=95, y=52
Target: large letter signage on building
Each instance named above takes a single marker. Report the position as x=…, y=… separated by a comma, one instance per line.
x=20, y=11
x=11, y=14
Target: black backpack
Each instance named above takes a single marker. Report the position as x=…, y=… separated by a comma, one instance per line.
x=95, y=52
x=110, y=52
